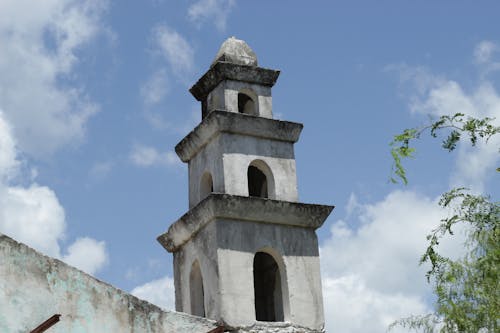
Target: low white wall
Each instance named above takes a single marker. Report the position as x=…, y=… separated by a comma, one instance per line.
x=33, y=287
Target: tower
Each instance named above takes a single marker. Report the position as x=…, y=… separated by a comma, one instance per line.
x=246, y=253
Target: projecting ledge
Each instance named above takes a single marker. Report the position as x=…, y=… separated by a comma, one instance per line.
x=236, y=123
x=225, y=206
x=222, y=70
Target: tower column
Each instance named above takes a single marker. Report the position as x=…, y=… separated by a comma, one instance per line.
x=246, y=253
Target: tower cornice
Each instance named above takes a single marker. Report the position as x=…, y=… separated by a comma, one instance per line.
x=241, y=209
x=222, y=70
x=236, y=123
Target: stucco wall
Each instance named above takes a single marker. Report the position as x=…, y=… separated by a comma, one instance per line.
x=227, y=157
x=33, y=287
x=296, y=253
x=225, y=97
x=228, y=273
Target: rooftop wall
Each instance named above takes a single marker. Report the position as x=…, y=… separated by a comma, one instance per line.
x=33, y=287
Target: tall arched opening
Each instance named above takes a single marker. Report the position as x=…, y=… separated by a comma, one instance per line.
x=260, y=180
x=206, y=185
x=267, y=288
x=197, y=295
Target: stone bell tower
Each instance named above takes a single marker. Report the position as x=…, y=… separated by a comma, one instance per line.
x=246, y=253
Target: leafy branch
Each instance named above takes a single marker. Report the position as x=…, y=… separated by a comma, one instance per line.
x=467, y=289
x=456, y=125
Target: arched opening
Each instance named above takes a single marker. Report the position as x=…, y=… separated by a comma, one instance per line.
x=246, y=104
x=267, y=288
x=197, y=295
x=257, y=182
x=206, y=185
x=260, y=180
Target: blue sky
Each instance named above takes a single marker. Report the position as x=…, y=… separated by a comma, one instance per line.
x=94, y=97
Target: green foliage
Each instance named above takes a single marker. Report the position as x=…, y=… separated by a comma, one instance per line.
x=457, y=125
x=467, y=289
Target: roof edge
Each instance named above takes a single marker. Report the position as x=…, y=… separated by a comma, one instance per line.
x=250, y=209
x=237, y=123
x=223, y=70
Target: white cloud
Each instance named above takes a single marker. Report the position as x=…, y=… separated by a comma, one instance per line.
x=370, y=265
x=436, y=96
x=8, y=162
x=351, y=307
x=33, y=215
x=40, y=41
x=211, y=10
x=178, y=54
x=154, y=90
x=446, y=98
x=174, y=49
x=370, y=269
x=159, y=292
x=484, y=51
x=87, y=254
x=145, y=156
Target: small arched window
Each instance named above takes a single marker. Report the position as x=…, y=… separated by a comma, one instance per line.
x=246, y=104
x=267, y=288
x=257, y=183
x=260, y=180
x=206, y=185
x=197, y=296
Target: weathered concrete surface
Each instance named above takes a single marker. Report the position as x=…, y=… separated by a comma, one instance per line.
x=224, y=232
x=236, y=123
x=226, y=248
x=226, y=143
x=33, y=287
x=241, y=209
x=228, y=71
x=236, y=151
x=274, y=328
x=236, y=51
x=225, y=97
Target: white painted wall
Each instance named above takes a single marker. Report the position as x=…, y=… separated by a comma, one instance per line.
x=228, y=271
x=225, y=97
x=34, y=287
x=227, y=157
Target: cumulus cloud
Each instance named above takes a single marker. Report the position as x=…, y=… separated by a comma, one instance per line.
x=87, y=254
x=40, y=41
x=177, y=57
x=33, y=215
x=351, y=306
x=159, y=292
x=370, y=269
x=145, y=156
x=483, y=51
x=484, y=57
x=216, y=11
x=8, y=161
x=174, y=48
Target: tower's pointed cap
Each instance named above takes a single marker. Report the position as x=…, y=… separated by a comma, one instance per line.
x=236, y=51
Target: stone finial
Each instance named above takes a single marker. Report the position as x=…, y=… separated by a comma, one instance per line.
x=236, y=51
